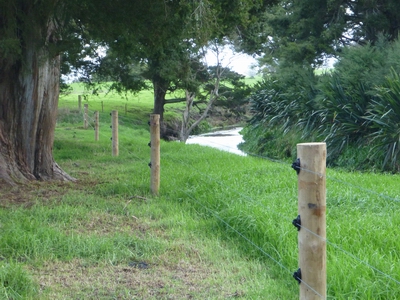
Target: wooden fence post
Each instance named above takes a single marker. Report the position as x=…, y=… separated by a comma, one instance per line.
x=96, y=125
x=80, y=103
x=114, y=126
x=85, y=116
x=155, y=153
x=312, y=212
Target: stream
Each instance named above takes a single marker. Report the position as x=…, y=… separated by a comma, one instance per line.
x=226, y=140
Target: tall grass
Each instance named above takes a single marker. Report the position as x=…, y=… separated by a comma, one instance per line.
x=221, y=227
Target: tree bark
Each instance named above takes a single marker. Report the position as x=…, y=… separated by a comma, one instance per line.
x=160, y=87
x=184, y=134
x=29, y=90
x=186, y=128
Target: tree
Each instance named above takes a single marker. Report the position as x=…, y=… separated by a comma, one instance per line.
x=224, y=88
x=305, y=31
x=34, y=34
x=210, y=82
x=175, y=34
x=29, y=86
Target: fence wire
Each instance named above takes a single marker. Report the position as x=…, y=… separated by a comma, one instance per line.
x=288, y=165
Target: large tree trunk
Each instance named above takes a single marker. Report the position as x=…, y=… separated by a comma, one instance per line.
x=29, y=89
x=160, y=87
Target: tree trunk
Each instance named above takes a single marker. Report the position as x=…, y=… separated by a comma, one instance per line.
x=184, y=134
x=160, y=87
x=29, y=90
x=186, y=128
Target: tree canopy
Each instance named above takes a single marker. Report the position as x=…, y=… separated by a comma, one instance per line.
x=305, y=31
x=158, y=34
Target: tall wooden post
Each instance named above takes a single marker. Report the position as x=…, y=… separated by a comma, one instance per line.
x=80, y=103
x=85, y=116
x=114, y=126
x=312, y=211
x=96, y=125
x=155, y=153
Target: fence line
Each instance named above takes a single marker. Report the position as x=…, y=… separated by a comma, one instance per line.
x=322, y=238
x=140, y=122
x=310, y=231
x=240, y=234
x=310, y=171
x=305, y=228
x=252, y=243
x=330, y=243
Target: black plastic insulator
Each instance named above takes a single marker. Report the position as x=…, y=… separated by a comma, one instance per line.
x=297, y=275
x=149, y=144
x=297, y=222
x=149, y=164
x=296, y=165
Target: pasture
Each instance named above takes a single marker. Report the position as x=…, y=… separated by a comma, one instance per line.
x=220, y=229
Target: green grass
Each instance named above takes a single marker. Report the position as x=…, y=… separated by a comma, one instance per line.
x=137, y=107
x=107, y=237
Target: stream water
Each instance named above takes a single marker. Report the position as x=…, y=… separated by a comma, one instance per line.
x=226, y=140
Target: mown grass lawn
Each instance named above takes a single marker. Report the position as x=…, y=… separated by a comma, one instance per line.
x=220, y=229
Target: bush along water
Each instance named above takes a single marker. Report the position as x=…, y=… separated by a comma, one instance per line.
x=355, y=109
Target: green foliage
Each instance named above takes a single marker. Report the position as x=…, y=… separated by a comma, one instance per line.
x=270, y=142
x=342, y=114
x=285, y=99
x=161, y=42
x=367, y=64
x=353, y=108
x=305, y=31
x=384, y=115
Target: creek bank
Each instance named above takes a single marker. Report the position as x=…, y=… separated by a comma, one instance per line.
x=225, y=140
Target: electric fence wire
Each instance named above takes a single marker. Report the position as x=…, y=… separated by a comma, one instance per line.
x=318, y=174
x=315, y=234
x=249, y=241
x=240, y=234
x=352, y=255
x=252, y=243
x=370, y=191
x=124, y=148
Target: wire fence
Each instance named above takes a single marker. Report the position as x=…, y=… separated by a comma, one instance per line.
x=394, y=277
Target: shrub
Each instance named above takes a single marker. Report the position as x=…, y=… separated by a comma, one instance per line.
x=384, y=115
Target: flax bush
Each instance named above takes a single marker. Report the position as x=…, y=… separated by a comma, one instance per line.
x=353, y=108
x=384, y=115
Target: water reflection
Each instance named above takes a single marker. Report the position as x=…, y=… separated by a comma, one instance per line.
x=226, y=140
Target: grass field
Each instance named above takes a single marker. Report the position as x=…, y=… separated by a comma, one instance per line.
x=220, y=229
